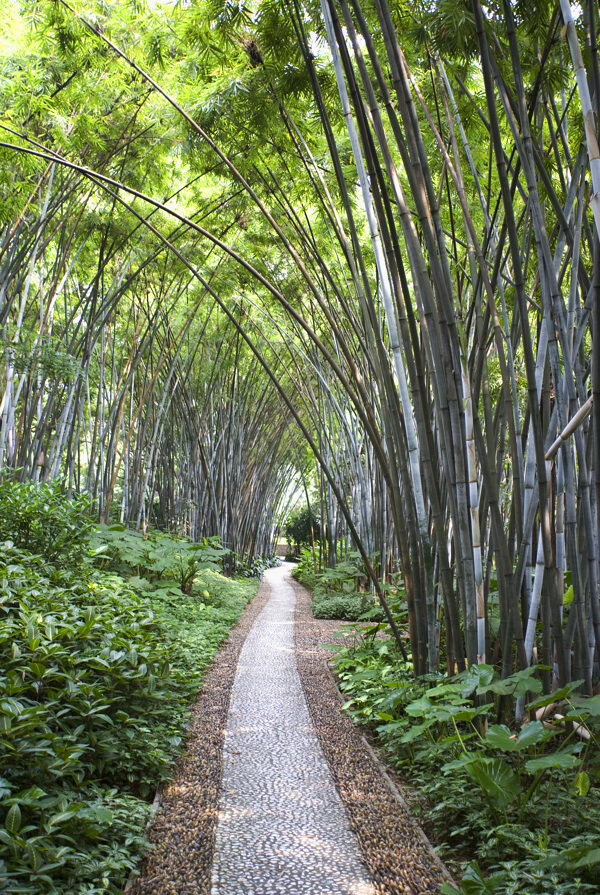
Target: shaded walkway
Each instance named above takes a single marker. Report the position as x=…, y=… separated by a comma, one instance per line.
x=282, y=828
x=305, y=846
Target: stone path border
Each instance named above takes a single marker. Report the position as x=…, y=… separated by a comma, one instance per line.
x=399, y=856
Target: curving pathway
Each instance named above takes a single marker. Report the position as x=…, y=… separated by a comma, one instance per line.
x=282, y=828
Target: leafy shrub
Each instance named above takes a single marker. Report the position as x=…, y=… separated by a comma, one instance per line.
x=518, y=800
x=345, y=606
x=157, y=557
x=302, y=528
x=334, y=590
x=304, y=571
x=254, y=566
x=81, y=688
x=95, y=681
x=39, y=518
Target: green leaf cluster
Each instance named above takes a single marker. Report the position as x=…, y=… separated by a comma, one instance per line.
x=518, y=799
x=302, y=527
x=96, y=677
x=156, y=558
x=38, y=518
x=336, y=593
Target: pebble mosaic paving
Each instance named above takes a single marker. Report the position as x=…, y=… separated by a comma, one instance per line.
x=282, y=828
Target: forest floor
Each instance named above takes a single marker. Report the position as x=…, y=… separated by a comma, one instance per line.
x=278, y=792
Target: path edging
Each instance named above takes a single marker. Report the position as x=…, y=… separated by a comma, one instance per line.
x=382, y=767
x=396, y=850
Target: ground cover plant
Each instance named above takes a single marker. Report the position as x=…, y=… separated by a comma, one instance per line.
x=336, y=593
x=519, y=804
x=97, y=672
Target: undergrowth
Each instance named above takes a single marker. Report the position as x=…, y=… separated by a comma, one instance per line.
x=102, y=648
x=336, y=593
x=521, y=803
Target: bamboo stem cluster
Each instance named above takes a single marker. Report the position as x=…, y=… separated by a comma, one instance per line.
x=424, y=319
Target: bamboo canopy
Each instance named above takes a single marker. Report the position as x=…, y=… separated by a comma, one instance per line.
x=361, y=251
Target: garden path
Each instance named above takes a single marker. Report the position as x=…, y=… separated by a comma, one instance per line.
x=282, y=827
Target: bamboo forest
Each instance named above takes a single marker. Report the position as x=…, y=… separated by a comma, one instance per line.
x=299, y=447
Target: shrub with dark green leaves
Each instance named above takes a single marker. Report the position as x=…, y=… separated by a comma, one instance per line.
x=79, y=666
x=335, y=594
x=95, y=681
x=39, y=518
x=345, y=606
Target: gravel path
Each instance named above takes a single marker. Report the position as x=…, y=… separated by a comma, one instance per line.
x=300, y=854
x=182, y=833
x=282, y=827
x=397, y=853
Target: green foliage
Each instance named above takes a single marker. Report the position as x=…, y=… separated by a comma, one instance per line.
x=95, y=680
x=450, y=28
x=302, y=528
x=341, y=579
x=254, y=566
x=238, y=70
x=334, y=590
x=44, y=359
x=83, y=714
x=156, y=558
x=304, y=571
x=195, y=625
x=38, y=518
x=518, y=800
x=351, y=607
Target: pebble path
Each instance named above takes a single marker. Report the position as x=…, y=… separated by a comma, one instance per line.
x=397, y=853
x=282, y=828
